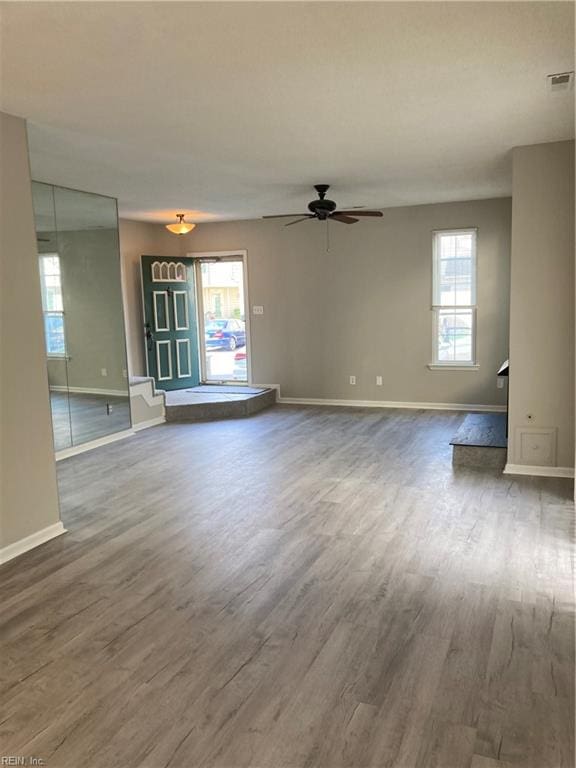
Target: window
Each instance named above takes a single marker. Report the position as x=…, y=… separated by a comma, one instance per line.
x=52, y=305
x=454, y=298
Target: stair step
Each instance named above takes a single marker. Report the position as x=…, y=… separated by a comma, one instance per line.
x=180, y=408
x=481, y=441
x=479, y=457
x=483, y=430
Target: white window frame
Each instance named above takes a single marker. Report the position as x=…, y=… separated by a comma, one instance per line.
x=52, y=312
x=454, y=365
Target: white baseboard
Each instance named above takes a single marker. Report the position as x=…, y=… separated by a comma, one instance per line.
x=393, y=404
x=149, y=423
x=76, y=449
x=30, y=542
x=90, y=391
x=146, y=391
x=268, y=386
x=538, y=471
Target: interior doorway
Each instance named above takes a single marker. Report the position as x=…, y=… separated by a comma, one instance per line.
x=224, y=333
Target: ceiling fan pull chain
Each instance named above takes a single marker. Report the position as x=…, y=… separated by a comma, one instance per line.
x=327, y=236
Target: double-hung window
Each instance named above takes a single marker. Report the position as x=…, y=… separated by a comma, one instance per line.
x=454, y=299
x=52, y=305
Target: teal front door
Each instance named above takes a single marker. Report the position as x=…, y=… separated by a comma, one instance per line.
x=170, y=326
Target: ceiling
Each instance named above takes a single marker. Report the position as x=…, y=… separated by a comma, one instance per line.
x=233, y=110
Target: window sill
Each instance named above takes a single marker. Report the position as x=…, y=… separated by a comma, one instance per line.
x=455, y=367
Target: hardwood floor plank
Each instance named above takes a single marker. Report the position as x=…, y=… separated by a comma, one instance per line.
x=308, y=588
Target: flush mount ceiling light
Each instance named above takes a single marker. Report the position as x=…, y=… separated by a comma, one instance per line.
x=182, y=227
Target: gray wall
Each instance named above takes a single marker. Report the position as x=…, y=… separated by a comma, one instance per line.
x=138, y=238
x=542, y=304
x=28, y=496
x=363, y=308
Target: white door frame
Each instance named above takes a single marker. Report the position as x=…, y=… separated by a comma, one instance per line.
x=236, y=255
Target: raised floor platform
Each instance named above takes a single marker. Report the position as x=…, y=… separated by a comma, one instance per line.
x=481, y=441
x=210, y=401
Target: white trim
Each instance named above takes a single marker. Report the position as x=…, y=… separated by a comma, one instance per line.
x=30, y=542
x=149, y=423
x=90, y=391
x=143, y=298
x=472, y=307
x=538, y=471
x=393, y=404
x=473, y=334
x=179, y=373
x=200, y=324
x=83, y=447
x=175, y=307
x=164, y=294
x=454, y=366
x=147, y=391
x=267, y=386
x=240, y=254
x=247, y=320
x=158, y=366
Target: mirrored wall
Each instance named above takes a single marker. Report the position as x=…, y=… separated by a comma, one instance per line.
x=79, y=262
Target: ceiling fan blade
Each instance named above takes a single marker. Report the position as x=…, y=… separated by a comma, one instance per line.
x=305, y=218
x=361, y=213
x=285, y=216
x=342, y=218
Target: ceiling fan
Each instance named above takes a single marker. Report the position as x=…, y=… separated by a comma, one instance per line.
x=325, y=210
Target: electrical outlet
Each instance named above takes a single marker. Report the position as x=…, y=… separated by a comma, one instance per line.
x=500, y=383
x=378, y=381
x=104, y=371
x=352, y=379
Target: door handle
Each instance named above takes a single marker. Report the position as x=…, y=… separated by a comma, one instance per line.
x=149, y=336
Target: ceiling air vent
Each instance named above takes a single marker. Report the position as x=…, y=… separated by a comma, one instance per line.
x=563, y=81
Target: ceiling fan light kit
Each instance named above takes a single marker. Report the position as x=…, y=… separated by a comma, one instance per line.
x=325, y=210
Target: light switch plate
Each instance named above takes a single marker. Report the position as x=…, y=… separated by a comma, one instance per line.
x=257, y=310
